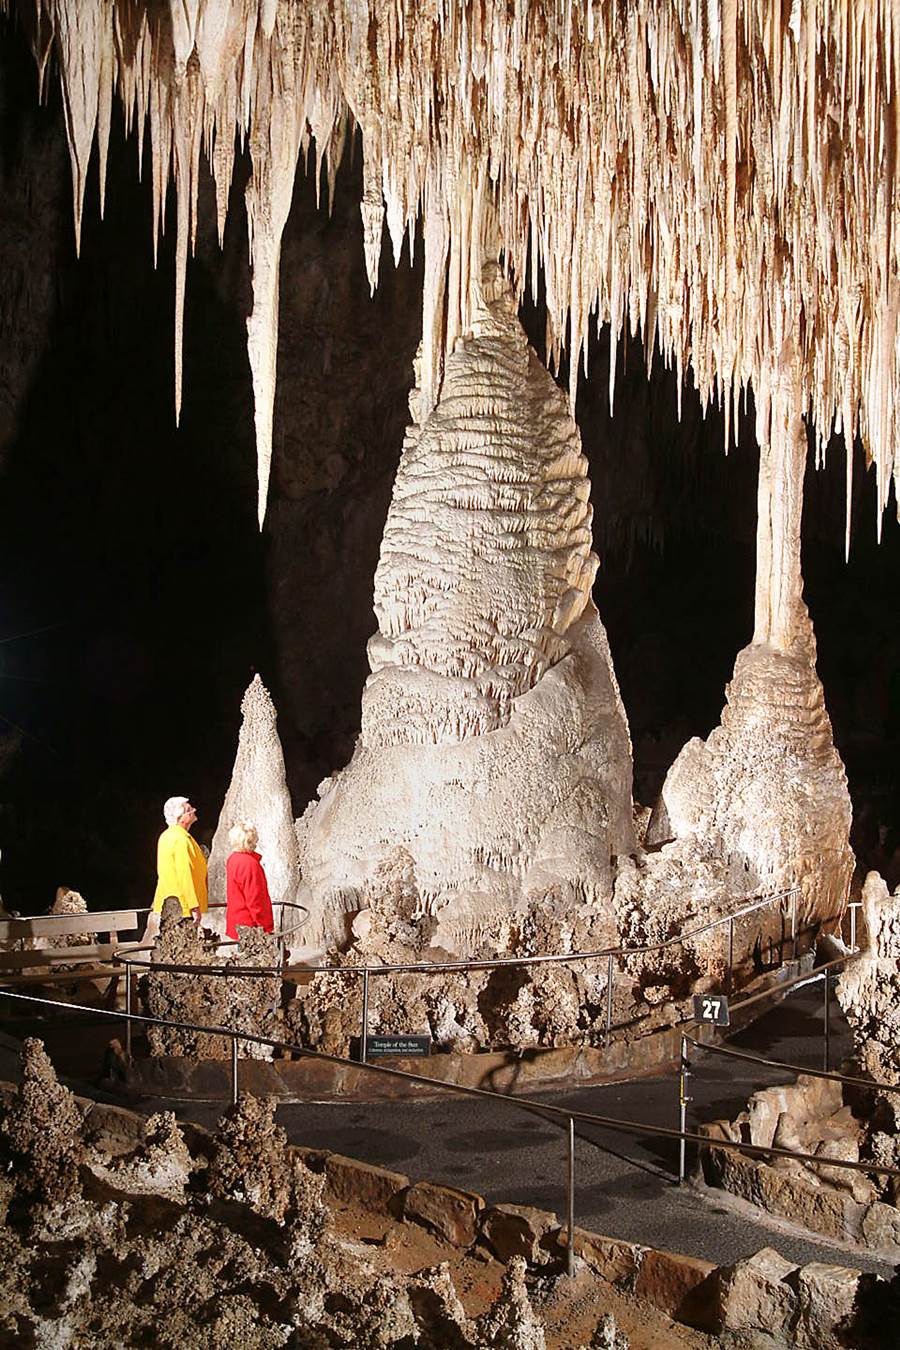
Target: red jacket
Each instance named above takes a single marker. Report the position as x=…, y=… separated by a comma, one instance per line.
x=246, y=894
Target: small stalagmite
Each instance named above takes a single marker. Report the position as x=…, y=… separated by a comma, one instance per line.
x=258, y=792
x=494, y=747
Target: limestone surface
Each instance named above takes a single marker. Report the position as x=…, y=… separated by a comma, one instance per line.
x=494, y=748
x=869, y=988
x=767, y=789
x=258, y=792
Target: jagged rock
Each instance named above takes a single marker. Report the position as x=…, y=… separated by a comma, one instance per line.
x=252, y=1003
x=189, y=998
x=868, y=990
x=451, y=1213
x=547, y=1005
x=249, y=1004
x=826, y=1306
x=161, y=1165
x=517, y=1230
x=41, y=1132
x=680, y=1285
x=438, y=1309
x=257, y=792
x=372, y=1187
x=512, y=1323
x=755, y=1294
x=251, y=1162
x=492, y=702
x=607, y=1335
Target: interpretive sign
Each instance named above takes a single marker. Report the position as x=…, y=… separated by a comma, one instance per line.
x=410, y=1047
x=712, y=1008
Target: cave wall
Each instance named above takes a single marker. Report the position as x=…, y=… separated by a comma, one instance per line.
x=132, y=545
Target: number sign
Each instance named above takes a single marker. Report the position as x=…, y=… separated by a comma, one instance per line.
x=712, y=1008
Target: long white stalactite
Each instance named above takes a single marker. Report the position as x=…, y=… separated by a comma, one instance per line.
x=711, y=172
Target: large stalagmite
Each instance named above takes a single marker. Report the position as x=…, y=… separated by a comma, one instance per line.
x=767, y=789
x=494, y=748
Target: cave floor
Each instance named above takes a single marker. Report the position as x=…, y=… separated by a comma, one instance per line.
x=624, y=1184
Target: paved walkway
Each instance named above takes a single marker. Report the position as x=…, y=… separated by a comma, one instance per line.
x=624, y=1184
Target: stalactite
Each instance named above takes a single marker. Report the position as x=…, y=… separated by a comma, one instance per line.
x=716, y=172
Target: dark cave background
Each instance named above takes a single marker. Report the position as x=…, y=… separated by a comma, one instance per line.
x=137, y=596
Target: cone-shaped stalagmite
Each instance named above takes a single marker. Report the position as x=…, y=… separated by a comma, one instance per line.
x=258, y=792
x=494, y=753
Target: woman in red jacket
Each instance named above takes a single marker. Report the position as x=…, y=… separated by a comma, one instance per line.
x=246, y=892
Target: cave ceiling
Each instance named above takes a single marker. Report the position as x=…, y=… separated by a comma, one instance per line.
x=718, y=175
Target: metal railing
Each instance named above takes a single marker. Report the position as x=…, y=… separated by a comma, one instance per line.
x=824, y=972
x=365, y=972
x=564, y=1117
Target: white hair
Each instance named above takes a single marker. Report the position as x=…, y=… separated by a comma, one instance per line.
x=243, y=836
x=174, y=809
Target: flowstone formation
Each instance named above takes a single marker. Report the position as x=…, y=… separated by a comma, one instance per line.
x=494, y=749
x=258, y=792
x=868, y=990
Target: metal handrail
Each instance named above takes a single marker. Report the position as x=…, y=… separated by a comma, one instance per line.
x=685, y=1072
x=554, y=1114
x=430, y=968
x=830, y=1074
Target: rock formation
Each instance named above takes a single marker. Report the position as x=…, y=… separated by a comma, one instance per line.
x=250, y=1003
x=767, y=790
x=869, y=989
x=747, y=194
x=494, y=748
x=257, y=792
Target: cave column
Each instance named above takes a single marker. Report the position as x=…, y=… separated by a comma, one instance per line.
x=781, y=432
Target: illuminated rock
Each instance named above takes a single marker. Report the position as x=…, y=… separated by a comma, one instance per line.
x=258, y=792
x=494, y=748
x=767, y=790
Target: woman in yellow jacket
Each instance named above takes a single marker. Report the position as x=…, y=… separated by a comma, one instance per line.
x=180, y=864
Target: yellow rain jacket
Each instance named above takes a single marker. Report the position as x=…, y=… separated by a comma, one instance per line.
x=181, y=868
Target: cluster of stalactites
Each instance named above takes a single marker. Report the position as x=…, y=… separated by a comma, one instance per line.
x=720, y=174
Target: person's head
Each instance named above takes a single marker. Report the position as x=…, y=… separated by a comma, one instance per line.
x=243, y=837
x=178, y=811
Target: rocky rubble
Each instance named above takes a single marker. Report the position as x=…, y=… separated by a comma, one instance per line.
x=810, y=1117
x=232, y=1247
x=251, y=1004
x=543, y=1005
x=235, y=1241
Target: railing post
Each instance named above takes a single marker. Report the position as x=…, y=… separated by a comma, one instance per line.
x=234, y=1071
x=730, y=954
x=609, y=999
x=128, y=1012
x=570, y=1253
x=794, y=925
x=853, y=908
x=683, y=1099
x=364, y=1030
x=826, y=1020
